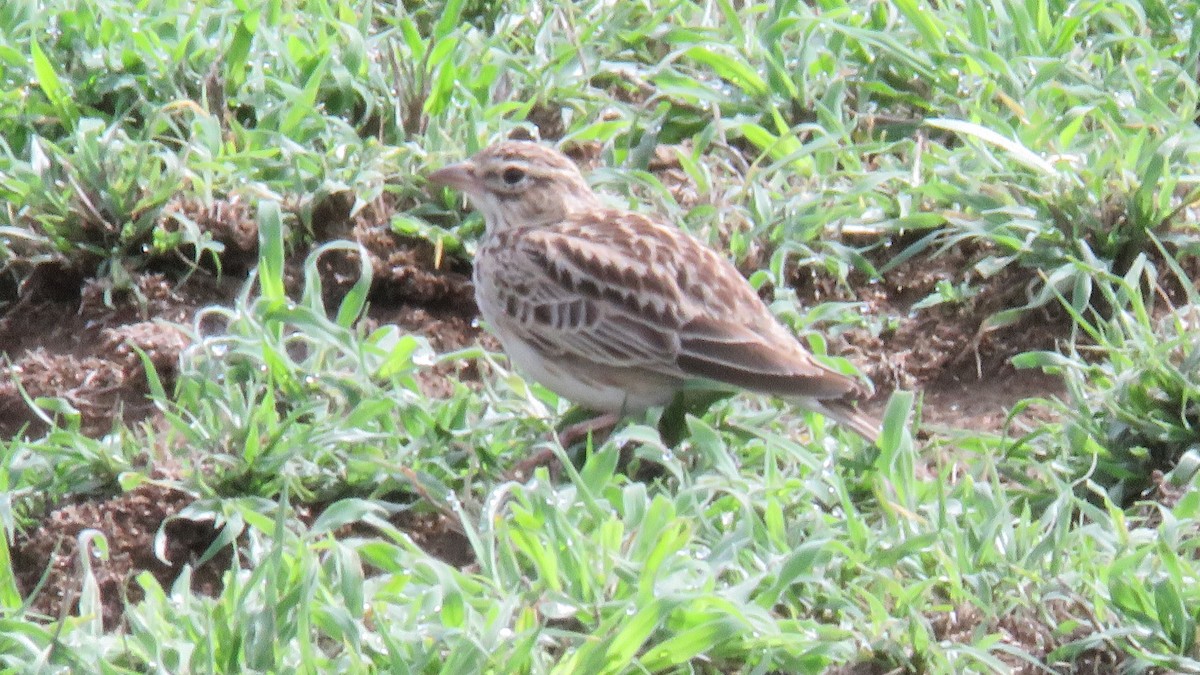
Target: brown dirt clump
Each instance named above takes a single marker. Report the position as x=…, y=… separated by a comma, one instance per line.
x=1036, y=635
x=436, y=533
x=82, y=349
x=548, y=118
x=91, y=385
x=437, y=536
x=984, y=405
x=666, y=167
x=231, y=222
x=951, y=339
x=406, y=270
x=130, y=523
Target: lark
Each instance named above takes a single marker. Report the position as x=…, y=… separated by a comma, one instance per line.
x=616, y=311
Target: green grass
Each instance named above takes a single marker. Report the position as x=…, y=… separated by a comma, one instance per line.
x=1058, y=139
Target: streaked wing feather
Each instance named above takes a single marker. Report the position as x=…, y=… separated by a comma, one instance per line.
x=730, y=352
x=580, y=320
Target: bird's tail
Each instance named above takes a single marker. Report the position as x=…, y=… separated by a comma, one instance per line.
x=844, y=413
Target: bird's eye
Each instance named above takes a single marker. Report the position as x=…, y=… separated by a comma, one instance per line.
x=512, y=175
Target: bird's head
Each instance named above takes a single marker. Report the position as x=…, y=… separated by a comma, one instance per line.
x=519, y=184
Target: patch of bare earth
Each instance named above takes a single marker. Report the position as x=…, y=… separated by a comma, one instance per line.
x=46, y=557
x=947, y=352
x=82, y=347
x=1034, y=635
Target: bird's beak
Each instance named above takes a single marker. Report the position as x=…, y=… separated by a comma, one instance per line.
x=459, y=176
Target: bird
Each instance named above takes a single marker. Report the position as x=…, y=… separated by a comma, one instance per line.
x=616, y=311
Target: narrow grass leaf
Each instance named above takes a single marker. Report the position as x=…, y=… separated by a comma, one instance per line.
x=91, y=542
x=52, y=86
x=1173, y=615
x=895, y=420
x=732, y=21
x=450, y=16
x=271, y=253
x=441, y=94
x=303, y=106
x=10, y=595
x=239, y=50
x=730, y=69
x=1019, y=152
x=926, y=23
x=691, y=642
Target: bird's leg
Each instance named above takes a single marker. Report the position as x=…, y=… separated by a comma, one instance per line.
x=572, y=433
x=580, y=430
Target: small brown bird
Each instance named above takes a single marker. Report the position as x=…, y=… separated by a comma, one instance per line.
x=615, y=311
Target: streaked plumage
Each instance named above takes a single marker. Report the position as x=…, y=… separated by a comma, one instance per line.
x=615, y=311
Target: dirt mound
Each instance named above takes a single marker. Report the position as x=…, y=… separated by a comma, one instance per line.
x=84, y=348
x=46, y=557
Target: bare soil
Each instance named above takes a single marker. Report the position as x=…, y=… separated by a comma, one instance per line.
x=67, y=335
x=47, y=558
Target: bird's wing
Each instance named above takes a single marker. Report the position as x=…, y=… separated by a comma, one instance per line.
x=769, y=361
x=574, y=296
x=616, y=287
